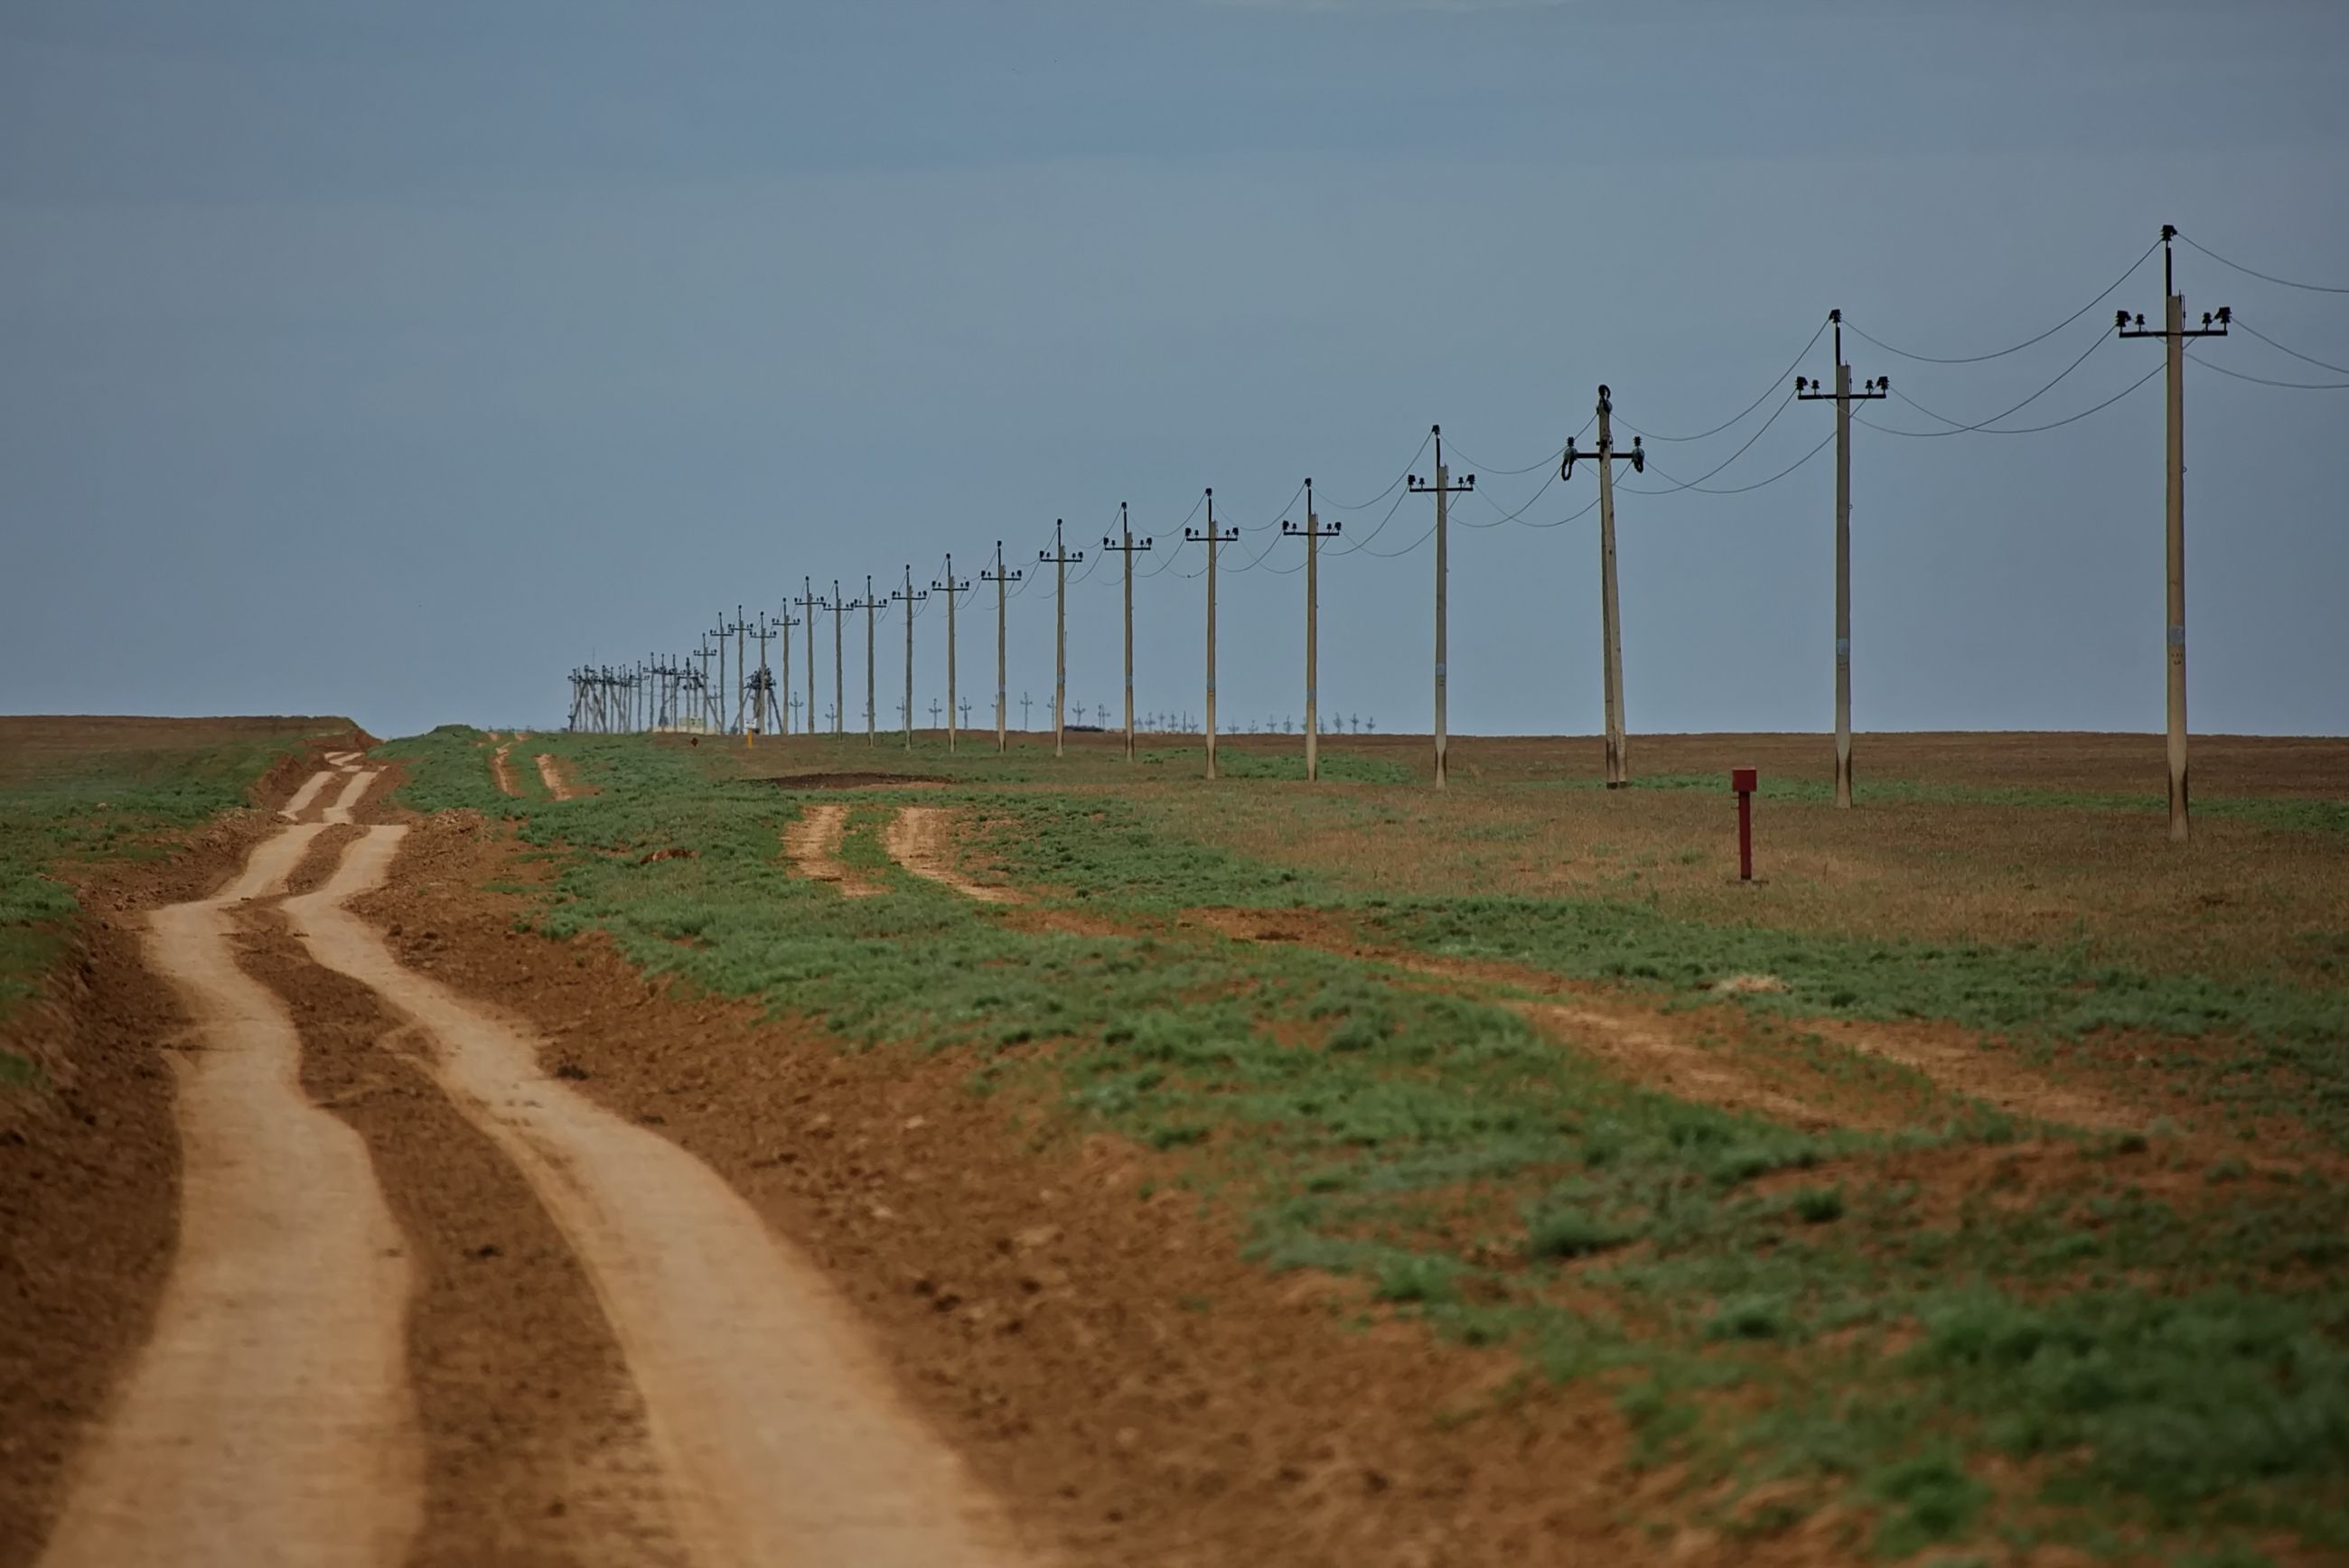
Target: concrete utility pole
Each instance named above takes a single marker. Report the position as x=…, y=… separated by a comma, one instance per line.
x=1312, y=533
x=872, y=720
x=763, y=685
x=952, y=589
x=708, y=704
x=2174, y=331
x=1002, y=690
x=783, y=689
x=1215, y=542
x=718, y=635
x=1843, y=397
x=741, y=672
x=1611, y=618
x=1126, y=547
x=909, y=599
x=1027, y=721
x=1442, y=490
x=809, y=605
x=1060, y=559
x=839, y=663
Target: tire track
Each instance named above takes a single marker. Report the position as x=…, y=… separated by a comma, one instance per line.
x=534, y=1448
x=266, y=1420
x=814, y=844
x=783, y=1441
x=921, y=840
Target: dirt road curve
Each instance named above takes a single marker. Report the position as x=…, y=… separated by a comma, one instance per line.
x=269, y=1419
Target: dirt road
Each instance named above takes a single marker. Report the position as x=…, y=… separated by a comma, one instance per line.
x=272, y=1417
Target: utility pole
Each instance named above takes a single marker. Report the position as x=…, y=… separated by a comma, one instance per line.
x=1611, y=618
x=783, y=638
x=1215, y=542
x=872, y=720
x=1002, y=691
x=809, y=605
x=1026, y=721
x=839, y=663
x=1442, y=490
x=717, y=694
x=1812, y=392
x=1060, y=559
x=909, y=598
x=1127, y=548
x=741, y=672
x=763, y=685
x=1312, y=533
x=952, y=589
x=2174, y=333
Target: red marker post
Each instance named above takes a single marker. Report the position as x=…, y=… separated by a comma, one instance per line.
x=1743, y=780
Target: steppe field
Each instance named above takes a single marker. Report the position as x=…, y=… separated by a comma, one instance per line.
x=537, y=1148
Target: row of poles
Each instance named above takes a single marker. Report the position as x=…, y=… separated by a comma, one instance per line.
x=658, y=695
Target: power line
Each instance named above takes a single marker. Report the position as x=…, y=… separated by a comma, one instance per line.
x=2024, y=429
x=2263, y=277
x=1512, y=516
x=2027, y=343
x=1757, y=402
x=1407, y=468
x=1957, y=427
x=2264, y=381
x=2271, y=342
x=1740, y=489
x=1698, y=483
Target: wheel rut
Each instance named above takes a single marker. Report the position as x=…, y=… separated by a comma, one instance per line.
x=781, y=1439
x=267, y=1418
x=431, y=1306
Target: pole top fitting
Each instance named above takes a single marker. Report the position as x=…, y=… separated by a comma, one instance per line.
x=1435, y=430
x=2169, y=233
x=1835, y=315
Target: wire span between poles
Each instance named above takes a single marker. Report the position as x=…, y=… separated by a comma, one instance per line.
x=1725, y=424
x=1740, y=489
x=2237, y=320
x=2027, y=343
x=1366, y=505
x=2263, y=277
x=1698, y=483
x=1958, y=428
x=2026, y=429
x=2265, y=381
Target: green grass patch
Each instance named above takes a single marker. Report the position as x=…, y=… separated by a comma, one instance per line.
x=1472, y=1174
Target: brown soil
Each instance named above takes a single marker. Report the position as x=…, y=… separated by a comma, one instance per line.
x=552, y=773
x=534, y=1446
x=814, y=844
x=89, y=1167
x=1105, y=1360
x=922, y=839
x=501, y=772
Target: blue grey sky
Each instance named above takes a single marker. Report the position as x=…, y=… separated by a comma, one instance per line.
x=390, y=360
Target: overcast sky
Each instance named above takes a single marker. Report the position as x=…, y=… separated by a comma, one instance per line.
x=391, y=360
